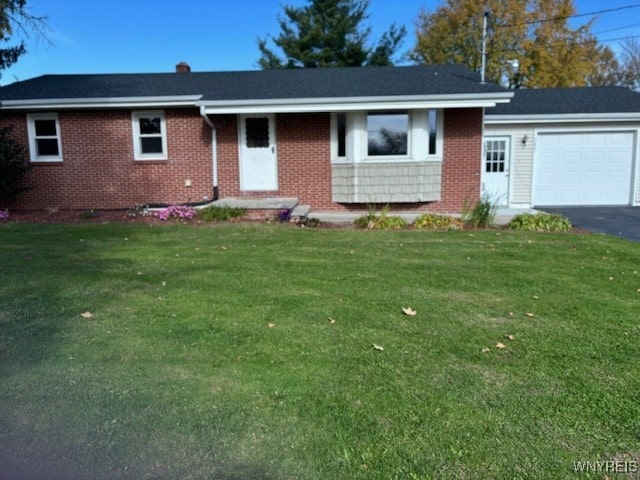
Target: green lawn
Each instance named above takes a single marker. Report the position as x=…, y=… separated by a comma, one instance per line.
x=210, y=353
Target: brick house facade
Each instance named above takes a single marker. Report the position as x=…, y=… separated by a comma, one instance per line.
x=99, y=141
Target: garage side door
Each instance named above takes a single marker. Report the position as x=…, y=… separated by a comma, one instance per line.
x=583, y=168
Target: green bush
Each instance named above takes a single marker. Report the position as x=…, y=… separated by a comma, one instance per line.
x=435, y=221
x=383, y=221
x=482, y=214
x=13, y=166
x=220, y=214
x=540, y=222
x=311, y=222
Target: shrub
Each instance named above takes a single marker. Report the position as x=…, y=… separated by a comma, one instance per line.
x=482, y=214
x=88, y=214
x=383, y=221
x=310, y=222
x=13, y=166
x=176, y=211
x=541, y=222
x=220, y=214
x=435, y=221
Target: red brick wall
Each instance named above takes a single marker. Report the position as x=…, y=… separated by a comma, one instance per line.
x=98, y=170
x=462, y=158
x=304, y=160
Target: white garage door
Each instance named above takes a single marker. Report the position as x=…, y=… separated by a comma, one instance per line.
x=583, y=168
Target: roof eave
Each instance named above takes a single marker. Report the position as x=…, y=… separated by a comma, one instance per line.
x=345, y=104
x=102, y=102
x=561, y=118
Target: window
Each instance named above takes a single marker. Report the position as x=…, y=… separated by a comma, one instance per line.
x=387, y=133
x=387, y=136
x=257, y=132
x=432, y=118
x=341, y=128
x=149, y=136
x=44, y=137
x=495, y=154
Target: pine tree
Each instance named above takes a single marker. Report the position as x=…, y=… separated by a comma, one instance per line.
x=328, y=33
x=15, y=16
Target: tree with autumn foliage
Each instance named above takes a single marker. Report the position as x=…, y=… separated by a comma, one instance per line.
x=535, y=32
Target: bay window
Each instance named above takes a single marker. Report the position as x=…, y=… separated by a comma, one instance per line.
x=387, y=136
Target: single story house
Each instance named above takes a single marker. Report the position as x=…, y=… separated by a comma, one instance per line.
x=337, y=139
x=419, y=138
x=564, y=146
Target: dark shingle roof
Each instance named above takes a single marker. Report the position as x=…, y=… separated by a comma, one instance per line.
x=557, y=101
x=258, y=85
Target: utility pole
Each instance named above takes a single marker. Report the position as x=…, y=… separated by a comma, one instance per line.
x=485, y=17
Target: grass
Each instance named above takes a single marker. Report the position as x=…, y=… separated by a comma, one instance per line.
x=210, y=353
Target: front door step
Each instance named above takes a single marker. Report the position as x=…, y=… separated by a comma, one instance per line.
x=300, y=212
x=270, y=203
x=265, y=208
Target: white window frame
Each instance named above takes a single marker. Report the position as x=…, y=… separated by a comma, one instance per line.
x=33, y=138
x=365, y=137
x=137, y=135
x=356, y=147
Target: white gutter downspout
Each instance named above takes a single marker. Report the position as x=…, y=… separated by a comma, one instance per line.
x=214, y=150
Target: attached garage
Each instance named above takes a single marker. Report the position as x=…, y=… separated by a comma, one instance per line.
x=570, y=146
x=583, y=168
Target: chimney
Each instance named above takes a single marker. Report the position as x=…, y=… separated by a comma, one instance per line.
x=183, y=67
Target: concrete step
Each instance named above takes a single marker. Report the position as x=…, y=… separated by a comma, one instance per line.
x=249, y=203
x=300, y=212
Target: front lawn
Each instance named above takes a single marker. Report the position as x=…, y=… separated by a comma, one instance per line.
x=246, y=351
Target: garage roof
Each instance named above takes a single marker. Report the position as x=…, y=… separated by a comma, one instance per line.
x=562, y=101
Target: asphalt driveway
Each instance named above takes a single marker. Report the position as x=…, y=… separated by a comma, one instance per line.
x=620, y=221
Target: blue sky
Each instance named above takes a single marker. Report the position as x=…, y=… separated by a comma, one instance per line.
x=121, y=36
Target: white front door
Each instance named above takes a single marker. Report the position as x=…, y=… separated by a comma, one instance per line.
x=495, y=170
x=258, y=162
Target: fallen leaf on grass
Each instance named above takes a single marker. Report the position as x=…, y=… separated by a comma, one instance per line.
x=409, y=311
x=332, y=320
x=485, y=350
x=500, y=345
x=271, y=325
x=510, y=314
x=380, y=348
x=86, y=314
x=223, y=248
x=535, y=297
x=511, y=337
x=529, y=314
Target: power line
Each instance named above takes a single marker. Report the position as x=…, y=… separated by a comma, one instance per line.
x=572, y=43
x=616, y=29
x=553, y=19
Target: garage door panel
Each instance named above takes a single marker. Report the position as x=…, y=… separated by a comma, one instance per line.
x=583, y=168
x=595, y=139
